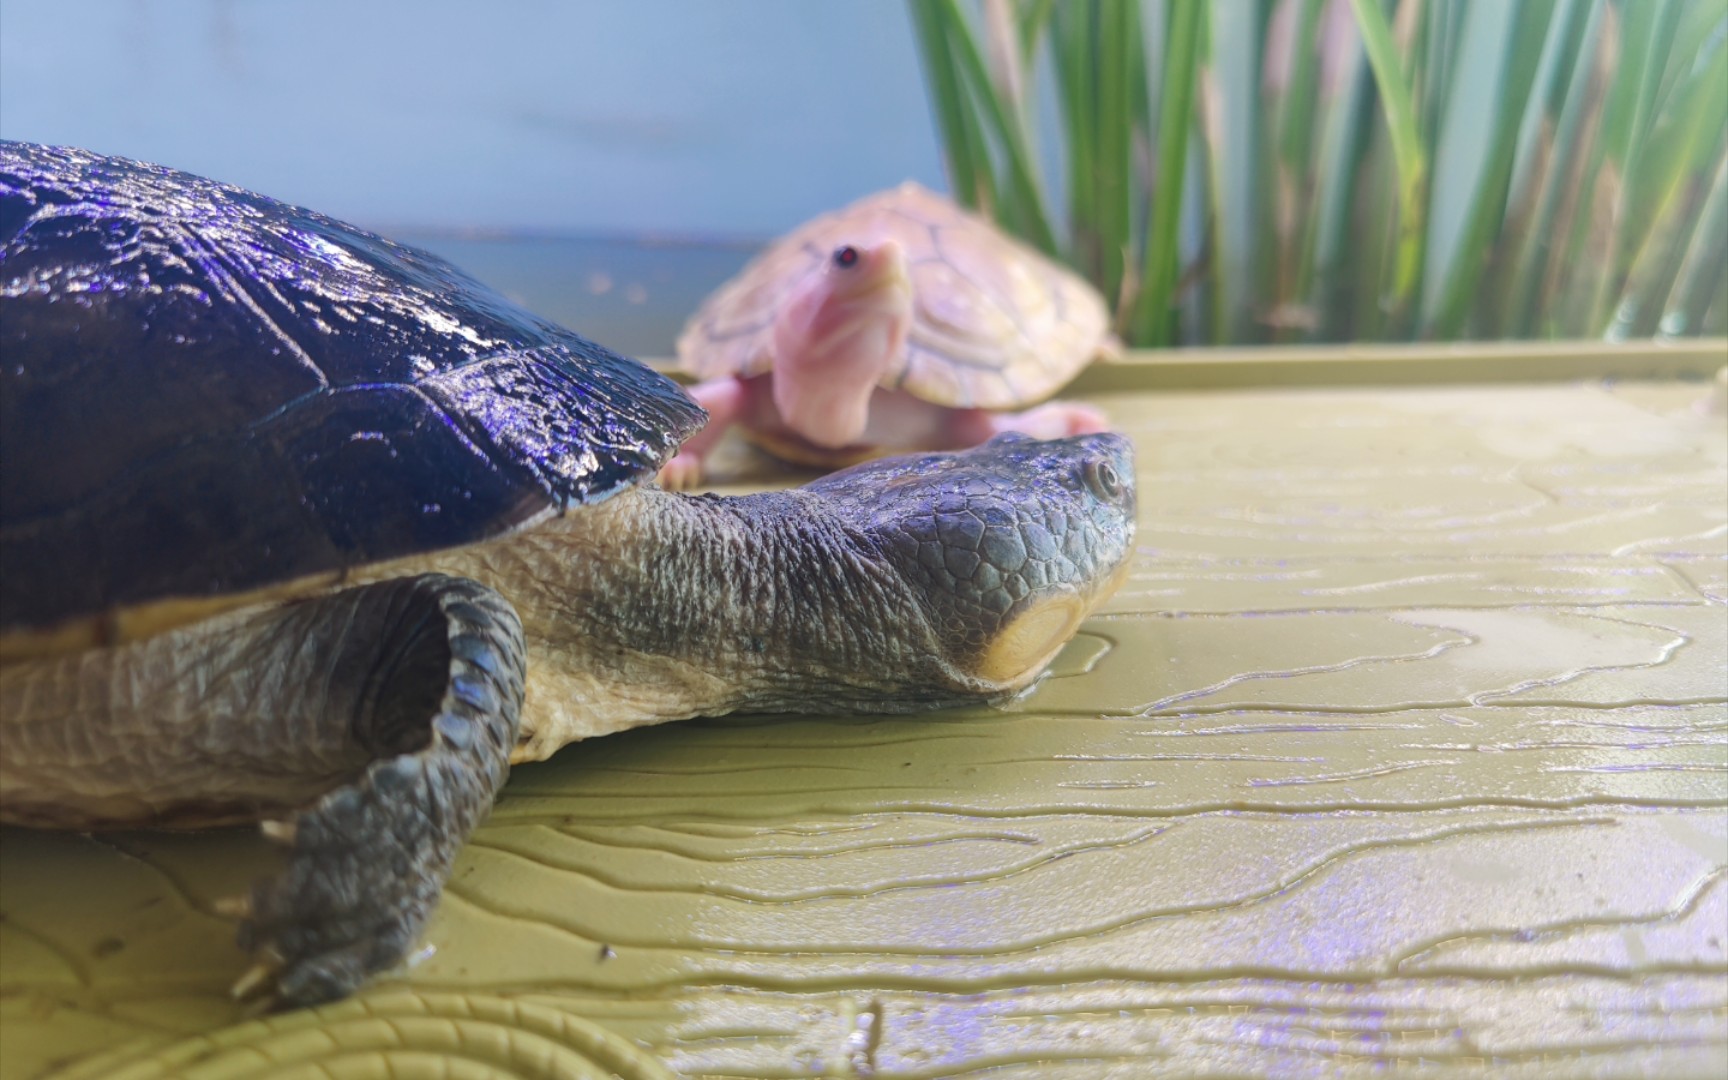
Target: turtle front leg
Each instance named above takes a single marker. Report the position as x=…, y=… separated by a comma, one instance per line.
x=432, y=679
x=369, y=728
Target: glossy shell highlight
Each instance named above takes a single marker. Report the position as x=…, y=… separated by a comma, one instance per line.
x=206, y=392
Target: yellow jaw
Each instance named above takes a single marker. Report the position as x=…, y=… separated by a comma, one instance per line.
x=1026, y=646
x=1031, y=641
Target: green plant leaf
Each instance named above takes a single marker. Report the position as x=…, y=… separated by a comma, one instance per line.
x=1492, y=167
x=1562, y=166
x=1335, y=256
x=1232, y=134
x=1407, y=152
x=1475, y=165
x=963, y=147
x=1153, y=314
x=1630, y=127
x=1023, y=197
x=1703, y=276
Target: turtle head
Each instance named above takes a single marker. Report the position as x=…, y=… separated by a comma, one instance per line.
x=837, y=337
x=1008, y=545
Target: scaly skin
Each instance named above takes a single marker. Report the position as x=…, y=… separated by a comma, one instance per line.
x=371, y=726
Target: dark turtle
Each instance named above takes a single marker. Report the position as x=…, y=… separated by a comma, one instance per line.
x=304, y=527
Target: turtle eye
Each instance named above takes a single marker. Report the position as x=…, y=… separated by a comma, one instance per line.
x=1102, y=479
x=845, y=256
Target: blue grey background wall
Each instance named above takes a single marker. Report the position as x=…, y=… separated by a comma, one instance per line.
x=726, y=118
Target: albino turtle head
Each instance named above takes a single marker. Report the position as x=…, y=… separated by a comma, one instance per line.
x=837, y=337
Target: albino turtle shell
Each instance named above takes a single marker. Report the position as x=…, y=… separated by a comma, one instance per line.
x=995, y=324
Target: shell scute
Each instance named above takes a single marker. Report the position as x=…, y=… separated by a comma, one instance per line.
x=206, y=392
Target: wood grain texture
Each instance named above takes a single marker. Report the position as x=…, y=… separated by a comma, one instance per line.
x=1404, y=749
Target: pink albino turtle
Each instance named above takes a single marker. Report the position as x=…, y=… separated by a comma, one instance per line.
x=900, y=322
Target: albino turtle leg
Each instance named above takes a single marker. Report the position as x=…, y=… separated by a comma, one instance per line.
x=724, y=400
x=386, y=713
x=1052, y=420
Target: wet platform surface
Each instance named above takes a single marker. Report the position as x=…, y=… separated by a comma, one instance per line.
x=1403, y=749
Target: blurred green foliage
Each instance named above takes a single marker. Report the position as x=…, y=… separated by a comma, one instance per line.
x=1331, y=170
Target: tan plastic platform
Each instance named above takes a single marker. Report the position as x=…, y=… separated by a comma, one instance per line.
x=1404, y=751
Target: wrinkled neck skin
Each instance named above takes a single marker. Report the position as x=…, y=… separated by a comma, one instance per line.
x=835, y=341
x=760, y=603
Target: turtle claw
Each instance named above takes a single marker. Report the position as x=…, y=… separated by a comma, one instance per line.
x=334, y=916
x=281, y=832
x=365, y=866
x=233, y=907
x=420, y=956
x=259, y=980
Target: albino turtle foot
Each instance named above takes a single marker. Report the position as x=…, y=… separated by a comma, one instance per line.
x=683, y=472
x=430, y=684
x=1054, y=420
x=723, y=399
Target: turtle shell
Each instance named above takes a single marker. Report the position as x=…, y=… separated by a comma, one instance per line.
x=995, y=324
x=206, y=392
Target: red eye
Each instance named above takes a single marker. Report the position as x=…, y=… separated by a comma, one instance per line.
x=846, y=256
